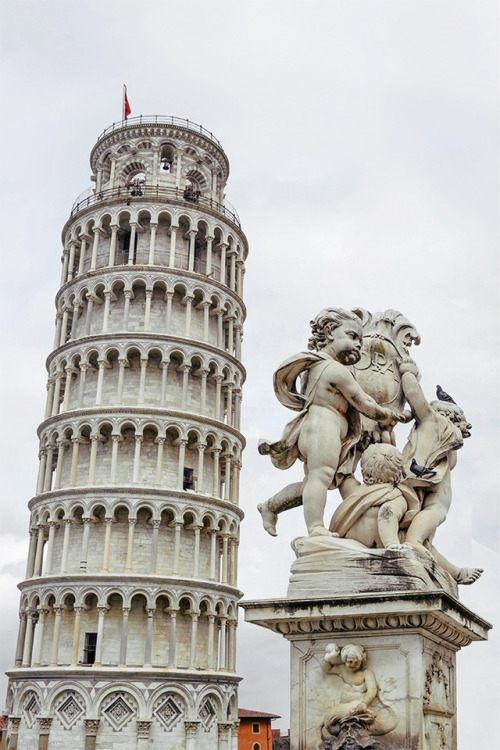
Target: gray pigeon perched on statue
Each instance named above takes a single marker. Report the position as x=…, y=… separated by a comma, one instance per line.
x=443, y=396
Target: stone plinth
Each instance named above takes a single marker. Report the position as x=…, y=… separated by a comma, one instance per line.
x=410, y=639
x=327, y=566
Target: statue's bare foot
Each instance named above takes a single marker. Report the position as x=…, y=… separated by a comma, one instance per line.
x=399, y=545
x=321, y=531
x=269, y=519
x=468, y=575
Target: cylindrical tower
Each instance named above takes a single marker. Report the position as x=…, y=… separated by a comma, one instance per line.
x=128, y=613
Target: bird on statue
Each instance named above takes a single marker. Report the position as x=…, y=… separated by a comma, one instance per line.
x=443, y=396
x=421, y=471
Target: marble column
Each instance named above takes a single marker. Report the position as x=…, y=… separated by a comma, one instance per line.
x=194, y=634
x=28, y=640
x=154, y=546
x=91, y=729
x=14, y=725
x=172, y=640
x=129, y=566
x=21, y=636
x=76, y=635
x=67, y=522
x=223, y=730
x=58, y=610
x=191, y=728
x=100, y=632
x=149, y=637
x=42, y=614
x=151, y=257
x=75, y=441
x=124, y=637
x=112, y=244
x=44, y=723
x=173, y=240
x=143, y=730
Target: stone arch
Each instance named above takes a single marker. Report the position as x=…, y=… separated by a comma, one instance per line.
x=210, y=692
x=55, y=693
x=28, y=704
x=171, y=716
x=89, y=591
x=221, y=607
x=197, y=177
x=130, y=704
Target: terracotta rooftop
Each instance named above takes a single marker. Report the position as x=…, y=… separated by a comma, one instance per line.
x=244, y=713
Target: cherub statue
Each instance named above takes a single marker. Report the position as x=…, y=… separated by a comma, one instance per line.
x=385, y=510
x=438, y=432
x=359, y=711
x=325, y=432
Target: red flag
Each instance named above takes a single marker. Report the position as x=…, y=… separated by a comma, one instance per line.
x=126, y=105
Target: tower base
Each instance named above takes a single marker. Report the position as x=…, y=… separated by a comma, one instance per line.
x=410, y=639
x=134, y=709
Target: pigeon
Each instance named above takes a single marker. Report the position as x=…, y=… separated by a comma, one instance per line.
x=443, y=396
x=421, y=471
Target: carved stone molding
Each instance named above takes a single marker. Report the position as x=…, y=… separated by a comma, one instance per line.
x=91, y=727
x=380, y=623
x=223, y=730
x=434, y=613
x=14, y=724
x=45, y=723
x=191, y=729
x=143, y=728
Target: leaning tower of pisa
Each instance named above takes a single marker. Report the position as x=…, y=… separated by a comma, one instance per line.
x=127, y=629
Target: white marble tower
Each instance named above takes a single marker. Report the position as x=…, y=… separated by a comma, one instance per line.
x=128, y=614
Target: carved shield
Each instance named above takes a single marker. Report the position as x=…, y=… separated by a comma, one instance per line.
x=387, y=337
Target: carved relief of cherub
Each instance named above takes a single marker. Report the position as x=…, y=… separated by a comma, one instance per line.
x=359, y=712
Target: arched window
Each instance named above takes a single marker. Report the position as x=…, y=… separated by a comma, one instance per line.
x=191, y=190
x=256, y=746
x=166, y=158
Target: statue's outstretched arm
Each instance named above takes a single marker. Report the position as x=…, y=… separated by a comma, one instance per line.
x=415, y=396
x=356, y=396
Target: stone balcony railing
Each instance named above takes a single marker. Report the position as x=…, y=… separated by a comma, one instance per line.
x=168, y=195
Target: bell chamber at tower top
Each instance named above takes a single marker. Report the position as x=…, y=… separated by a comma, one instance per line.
x=157, y=200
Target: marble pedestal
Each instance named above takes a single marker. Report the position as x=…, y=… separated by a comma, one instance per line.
x=410, y=638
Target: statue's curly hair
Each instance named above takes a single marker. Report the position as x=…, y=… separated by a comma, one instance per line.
x=352, y=649
x=452, y=411
x=326, y=321
x=382, y=462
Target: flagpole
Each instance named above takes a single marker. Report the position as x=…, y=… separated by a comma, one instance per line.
x=123, y=106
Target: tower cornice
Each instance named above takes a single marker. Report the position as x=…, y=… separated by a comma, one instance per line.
x=143, y=492
x=158, y=126
x=154, y=273
x=138, y=411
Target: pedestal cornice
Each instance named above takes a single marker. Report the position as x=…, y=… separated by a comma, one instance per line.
x=437, y=613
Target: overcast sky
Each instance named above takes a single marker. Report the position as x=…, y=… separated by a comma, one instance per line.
x=363, y=142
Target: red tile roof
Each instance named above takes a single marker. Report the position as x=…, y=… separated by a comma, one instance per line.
x=244, y=713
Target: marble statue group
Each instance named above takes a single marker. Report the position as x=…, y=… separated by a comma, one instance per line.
x=350, y=390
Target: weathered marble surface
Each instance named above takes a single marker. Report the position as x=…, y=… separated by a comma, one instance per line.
x=329, y=566
x=410, y=639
